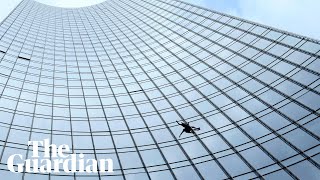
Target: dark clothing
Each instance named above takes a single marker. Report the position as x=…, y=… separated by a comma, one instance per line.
x=187, y=128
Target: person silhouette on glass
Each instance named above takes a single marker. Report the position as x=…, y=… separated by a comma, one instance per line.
x=187, y=128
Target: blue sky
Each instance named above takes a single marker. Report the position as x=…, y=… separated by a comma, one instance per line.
x=298, y=16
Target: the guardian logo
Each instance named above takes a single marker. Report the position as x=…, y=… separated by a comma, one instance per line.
x=70, y=162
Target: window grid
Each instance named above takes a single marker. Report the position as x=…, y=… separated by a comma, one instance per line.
x=110, y=80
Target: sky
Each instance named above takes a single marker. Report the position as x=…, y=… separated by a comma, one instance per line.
x=297, y=16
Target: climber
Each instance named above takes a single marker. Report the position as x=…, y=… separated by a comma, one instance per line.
x=187, y=128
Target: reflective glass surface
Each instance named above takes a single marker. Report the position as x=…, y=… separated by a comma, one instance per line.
x=111, y=80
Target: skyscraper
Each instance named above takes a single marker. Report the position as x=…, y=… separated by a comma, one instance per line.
x=111, y=80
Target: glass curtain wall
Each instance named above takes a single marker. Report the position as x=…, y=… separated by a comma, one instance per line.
x=111, y=80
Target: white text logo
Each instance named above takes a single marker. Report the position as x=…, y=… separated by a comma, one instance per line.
x=69, y=162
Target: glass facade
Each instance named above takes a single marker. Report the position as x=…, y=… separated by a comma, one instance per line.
x=111, y=80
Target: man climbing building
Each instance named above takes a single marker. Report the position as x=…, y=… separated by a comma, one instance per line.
x=187, y=128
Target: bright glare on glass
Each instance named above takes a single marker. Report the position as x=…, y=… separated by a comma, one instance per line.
x=70, y=3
